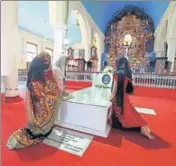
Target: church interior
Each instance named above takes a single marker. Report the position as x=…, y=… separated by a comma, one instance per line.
x=93, y=34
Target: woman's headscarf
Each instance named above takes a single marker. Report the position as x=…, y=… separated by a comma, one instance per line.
x=43, y=92
x=61, y=64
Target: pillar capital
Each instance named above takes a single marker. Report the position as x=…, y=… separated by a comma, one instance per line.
x=58, y=12
x=59, y=26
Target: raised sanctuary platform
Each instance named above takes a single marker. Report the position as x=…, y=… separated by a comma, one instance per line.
x=86, y=111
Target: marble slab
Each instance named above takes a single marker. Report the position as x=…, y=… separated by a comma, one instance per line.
x=145, y=111
x=69, y=141
x=92, y=96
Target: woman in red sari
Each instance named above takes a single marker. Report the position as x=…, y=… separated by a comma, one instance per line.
x=124, y=115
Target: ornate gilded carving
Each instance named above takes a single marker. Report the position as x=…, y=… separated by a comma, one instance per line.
x=139, y=26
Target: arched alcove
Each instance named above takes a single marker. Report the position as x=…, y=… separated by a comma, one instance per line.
x=77, y=33
x=139, y=26
x=74, y=33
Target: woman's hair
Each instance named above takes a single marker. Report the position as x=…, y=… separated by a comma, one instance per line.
x=46, y=55
x=122, y=66
x=123, y=70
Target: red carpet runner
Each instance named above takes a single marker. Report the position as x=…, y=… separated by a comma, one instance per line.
x=119, y=149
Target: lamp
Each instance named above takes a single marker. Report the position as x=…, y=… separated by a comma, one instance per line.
x=66, y=42
x=44, y=39
x=127, y=40
x=77, y=22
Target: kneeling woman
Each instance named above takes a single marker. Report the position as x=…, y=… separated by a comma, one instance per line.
x=125, y=116
x=42, y=104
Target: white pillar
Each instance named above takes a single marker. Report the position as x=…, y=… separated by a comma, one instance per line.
x=87, y=51
x=171, y=51
x=58, y=12
x=59, y=35
x=10, y=46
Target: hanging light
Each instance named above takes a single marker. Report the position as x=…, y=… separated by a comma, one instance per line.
x=77, y=22
x=45, y=38
x=66, y=41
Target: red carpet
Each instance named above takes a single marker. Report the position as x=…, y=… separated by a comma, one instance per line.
x=2, y=98
x=119, y=149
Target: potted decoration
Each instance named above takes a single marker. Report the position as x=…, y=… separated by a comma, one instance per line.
x=108, y=69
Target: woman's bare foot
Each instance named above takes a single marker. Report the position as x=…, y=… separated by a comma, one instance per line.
x=145, y=131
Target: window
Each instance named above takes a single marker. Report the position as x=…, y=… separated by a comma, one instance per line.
x=31, y=51
x=50, y=52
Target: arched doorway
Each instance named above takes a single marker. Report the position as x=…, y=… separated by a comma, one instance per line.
x=76, y=34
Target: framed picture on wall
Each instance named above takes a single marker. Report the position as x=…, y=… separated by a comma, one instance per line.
x=70, y=53
x=93, y=52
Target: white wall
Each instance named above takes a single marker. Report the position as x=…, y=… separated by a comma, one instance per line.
x=28, y=37
x=86, y=25
x=167, y=34
x=78, y=46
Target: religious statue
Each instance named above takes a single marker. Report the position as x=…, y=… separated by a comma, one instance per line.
x=94, y=58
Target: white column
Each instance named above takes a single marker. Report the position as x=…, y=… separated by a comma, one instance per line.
x=58, y=12
x=171, y=51
x=59, y=35
x=87, y=51
x=100, y=49
x=10, y=47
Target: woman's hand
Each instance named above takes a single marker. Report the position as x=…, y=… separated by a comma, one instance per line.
x=111, y=98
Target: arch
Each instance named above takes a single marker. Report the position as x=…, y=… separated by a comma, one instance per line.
x=84, y=25
x=74, y=33
x=136, y=22
x=172, y=22
x=83, y=28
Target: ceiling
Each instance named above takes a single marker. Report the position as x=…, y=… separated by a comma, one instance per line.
x=33, y=16
x=102, y=12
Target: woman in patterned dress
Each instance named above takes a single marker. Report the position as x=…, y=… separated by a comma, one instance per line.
x=42, y=104
x=124, y=115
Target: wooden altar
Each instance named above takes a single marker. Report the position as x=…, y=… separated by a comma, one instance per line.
x=136, y=23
